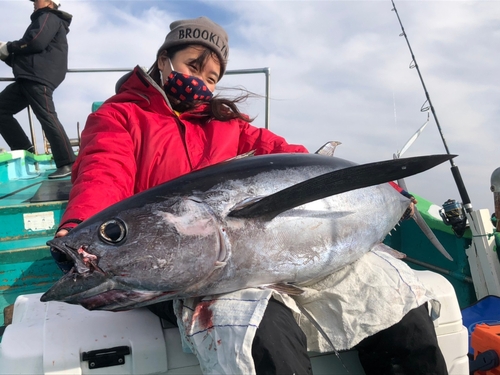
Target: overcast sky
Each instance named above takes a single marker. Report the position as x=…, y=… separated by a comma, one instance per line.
x=339, y=71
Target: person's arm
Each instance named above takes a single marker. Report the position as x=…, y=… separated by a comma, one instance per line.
x=37, y=37
x=264, y=142
x=104, y=172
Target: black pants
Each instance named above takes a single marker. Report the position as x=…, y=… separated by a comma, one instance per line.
x=16, y=97
x=279, y=347
x=409, y=347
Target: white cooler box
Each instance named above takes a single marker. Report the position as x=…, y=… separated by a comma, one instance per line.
x=58, y=338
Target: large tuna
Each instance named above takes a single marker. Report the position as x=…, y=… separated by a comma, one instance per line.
x=254, y=222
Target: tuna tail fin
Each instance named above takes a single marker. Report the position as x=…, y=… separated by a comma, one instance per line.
x=336, y=182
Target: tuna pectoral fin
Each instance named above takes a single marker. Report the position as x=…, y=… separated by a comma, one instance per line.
x=320, y=330
x=336, y=182
x=389, y=250
x=294, y=290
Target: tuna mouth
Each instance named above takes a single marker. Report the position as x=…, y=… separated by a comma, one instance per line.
x=95, y=291
x=84, y=261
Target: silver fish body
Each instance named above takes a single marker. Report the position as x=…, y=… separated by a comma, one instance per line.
x=179, y=239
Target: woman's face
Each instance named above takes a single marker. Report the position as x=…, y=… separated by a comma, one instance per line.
x=184, y=62
x=38, y=4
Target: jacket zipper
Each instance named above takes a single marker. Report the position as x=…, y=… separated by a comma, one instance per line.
x=182, y=130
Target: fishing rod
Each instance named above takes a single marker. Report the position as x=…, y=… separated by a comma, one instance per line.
x=454, y=168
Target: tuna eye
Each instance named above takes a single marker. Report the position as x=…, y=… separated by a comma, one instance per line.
x=113, y=231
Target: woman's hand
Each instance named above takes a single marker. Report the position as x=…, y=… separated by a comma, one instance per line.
x=62, y=261
x=61, y=233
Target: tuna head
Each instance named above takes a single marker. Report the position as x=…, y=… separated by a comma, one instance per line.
x=127, y=257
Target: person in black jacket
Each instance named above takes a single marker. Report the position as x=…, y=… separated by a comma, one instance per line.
x=39, y=61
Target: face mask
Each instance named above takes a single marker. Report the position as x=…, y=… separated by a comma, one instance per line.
x=186, y=88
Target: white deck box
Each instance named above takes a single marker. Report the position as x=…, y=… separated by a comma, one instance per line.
x=58, y=338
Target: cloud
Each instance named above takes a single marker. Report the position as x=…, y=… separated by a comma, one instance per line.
x=344, y=74
x=339, y=71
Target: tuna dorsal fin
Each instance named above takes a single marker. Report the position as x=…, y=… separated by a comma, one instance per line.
x=328, y=149
x=337, y=182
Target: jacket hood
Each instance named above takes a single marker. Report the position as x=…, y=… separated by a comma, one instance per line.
x=66, y=17
x=139, y=87
x=63, y=15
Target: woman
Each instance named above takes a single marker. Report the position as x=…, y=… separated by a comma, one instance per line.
x=154, y=130
x=166, y=123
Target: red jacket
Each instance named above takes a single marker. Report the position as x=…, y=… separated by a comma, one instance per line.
x=134, y=141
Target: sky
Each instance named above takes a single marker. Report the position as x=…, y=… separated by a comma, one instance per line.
x=340, y=71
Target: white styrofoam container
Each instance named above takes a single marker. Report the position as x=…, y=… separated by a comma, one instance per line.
x=50, y=338
x=452, y=335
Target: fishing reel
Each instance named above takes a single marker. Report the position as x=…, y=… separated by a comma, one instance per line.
x=453, y=214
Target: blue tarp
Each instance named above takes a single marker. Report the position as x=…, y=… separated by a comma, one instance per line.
x=486, y=310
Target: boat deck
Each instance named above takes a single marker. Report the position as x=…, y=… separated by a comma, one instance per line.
x=31, y=207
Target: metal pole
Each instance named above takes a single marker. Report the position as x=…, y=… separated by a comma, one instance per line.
x=440, y=270
x=266, y=71
x=99, y=70
x=268, y=96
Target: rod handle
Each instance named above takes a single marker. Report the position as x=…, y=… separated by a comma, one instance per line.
x=461, y=188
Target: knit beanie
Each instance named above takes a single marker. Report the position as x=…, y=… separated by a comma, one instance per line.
x=201, y=31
